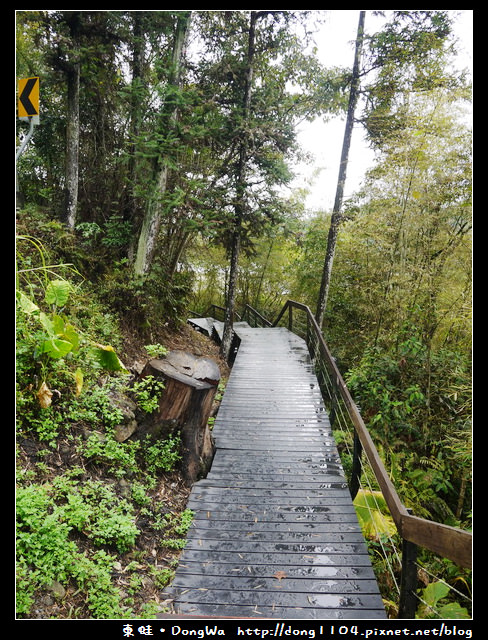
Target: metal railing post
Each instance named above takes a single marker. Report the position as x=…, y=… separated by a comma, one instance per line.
x=409, y=580
x=356, y=467
x=333, y=403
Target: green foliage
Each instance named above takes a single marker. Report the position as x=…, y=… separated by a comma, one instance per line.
x=48, y=425
x=107, y=358
x=49, y=514
x=399, y=314
x=373, y=514
x=117, y=232
x=118, y=458
x=95, y=408
x=143, y=302
x=57, y=293
x=156, y=350
x=52, y=335
x=46, y=554
x=432, y=607
x=409, y=55
x=176, y=525
x=389, y=393
x=163, y=577
x=147, y=393
x=75, y=523
x=95, y=510
x=162, y=455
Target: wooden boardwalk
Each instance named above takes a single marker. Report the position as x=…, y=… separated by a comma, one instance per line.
x=275, y=534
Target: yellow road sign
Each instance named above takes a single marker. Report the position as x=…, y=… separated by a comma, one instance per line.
x=28, y=102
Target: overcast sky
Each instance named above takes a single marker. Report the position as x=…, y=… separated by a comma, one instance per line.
x=336, y=43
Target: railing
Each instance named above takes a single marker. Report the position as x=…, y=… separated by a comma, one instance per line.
x=215, y=311
x=446, y=541
x=254, y=318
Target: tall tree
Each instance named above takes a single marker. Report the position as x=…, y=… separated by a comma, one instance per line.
x=78, y=139
x=346, y=145
x=73, y=67
x=408, y=57
x=239, y=205
x=137, y=42
x=269, y=109
x=152, y=218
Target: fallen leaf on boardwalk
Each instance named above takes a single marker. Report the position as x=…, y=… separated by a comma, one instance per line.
x=166, y=602
x=279, y=575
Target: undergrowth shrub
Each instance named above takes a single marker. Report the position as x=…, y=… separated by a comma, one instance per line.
x=143, y=302
x=78, y=517
x=47, y=554
x=162, y=456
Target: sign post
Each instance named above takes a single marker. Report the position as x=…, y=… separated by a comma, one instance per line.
x=28, y=110
x=28, y=107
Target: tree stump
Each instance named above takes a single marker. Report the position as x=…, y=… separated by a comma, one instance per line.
x=186, y=403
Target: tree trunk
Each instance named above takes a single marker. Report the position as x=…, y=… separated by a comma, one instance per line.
x=150, y=224
x=133, y=203
x=240, y=195
x=227, y=335
x=186, y=405
x=72, y=127
x=336, y=214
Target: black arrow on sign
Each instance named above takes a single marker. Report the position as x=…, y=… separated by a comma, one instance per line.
x=25, y=97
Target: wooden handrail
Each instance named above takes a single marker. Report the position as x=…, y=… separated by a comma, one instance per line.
x=250, y=310
x=215, y=307
x=449, y=542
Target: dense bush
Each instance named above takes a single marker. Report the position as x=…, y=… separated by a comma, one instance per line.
x=87, y=504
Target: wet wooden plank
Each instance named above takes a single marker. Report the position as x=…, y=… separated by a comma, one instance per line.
x=274, y=571
x=275, y=533
x=260, y=611
x=256, y=558
x=308, y=600
x=282, y=582
x=315, y=535
x=253, y=500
